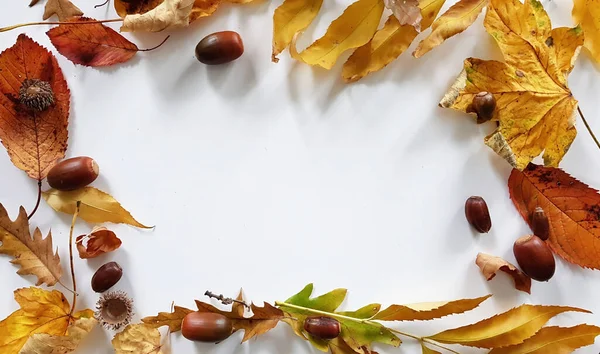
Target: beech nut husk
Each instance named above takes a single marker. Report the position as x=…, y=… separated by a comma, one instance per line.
x=484, y=104
x=534, y=257
x=220, y=48
x=106, y=277
x=73, y=173
x=322, y=327
x=206, y=327
x=540, y=224
x=478, y=215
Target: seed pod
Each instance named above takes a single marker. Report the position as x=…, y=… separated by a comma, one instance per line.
x=73, y=173
x=534, y=257
x=106, y=277
x=484, y=104
x=478, y=215
x=220, y=48
x=539, y=224
x=322, y=327
x=36, y=95
x=206, y=327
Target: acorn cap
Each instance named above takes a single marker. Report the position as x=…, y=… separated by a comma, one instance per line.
x=36, y=94
x=114, y=310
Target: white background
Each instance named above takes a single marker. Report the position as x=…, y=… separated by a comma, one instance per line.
x=270, y=176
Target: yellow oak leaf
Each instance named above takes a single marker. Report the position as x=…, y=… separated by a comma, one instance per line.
x=42, y=343
x=354, y=28
x=171, y=319
x=509, y=328
x=428, y=310
x=96, y=206
x=137, y=338
x=535, y=108
x=457, y=19
x=555, y=340
x=35, y=255
x=169, y=14
x=586, y=13
x=63, y=9
x=290, y=18
x=388, y=43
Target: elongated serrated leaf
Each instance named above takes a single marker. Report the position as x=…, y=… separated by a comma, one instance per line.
x=428, y=310
x=555, y=340
x=171, y=319
x=427, y=350
x=290, y=18
x=509, y=328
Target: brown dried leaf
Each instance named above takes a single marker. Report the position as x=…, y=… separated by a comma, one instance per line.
x=43, y=343
x=489, y=265
x=101, y=240
x=61, y=8
x=428, y=310
x=170, y=14
x=171, y=319
x=137, y=338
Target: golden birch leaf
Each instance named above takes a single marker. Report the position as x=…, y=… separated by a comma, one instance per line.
x=96, y=206
x=586, y=14
x=490, y=265
x=428, y=310
x=428, y=350
x=509, y=328
x=290, y=18
x=457, y=19
x=204, y=8
x=171, y=319
x=170, y=14
x=137, y=338
x=34, y=255
x=387, y=44
x=555, y=340
x=354, y=28
x=43, y=343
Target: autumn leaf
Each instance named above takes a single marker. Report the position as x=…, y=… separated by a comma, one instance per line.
x=96, y=206
x=357, y=332
x=203, y=8
x=171, y=319
x=457, y=19
x=426, y=350
x=63, y=9
x=263, y=319
x=168, y=15
x=490, y=265
x=572, y=208
x=291, y=17
x=91, y=44
x=407, y=12
x=100, y=241
x=387, y=44
x=41, y=311
x=42, y=343
x=34, y=255
x=428, y=310
x=535, y=107
x=131, y=7
x=355, y=27
x=509, y=328
x=35, y=140
x=137, y=338
x=555, y=340
x=586, y=14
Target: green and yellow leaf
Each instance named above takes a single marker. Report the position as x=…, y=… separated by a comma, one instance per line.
x=291, y=17
x=428, y=310
x=555, y=340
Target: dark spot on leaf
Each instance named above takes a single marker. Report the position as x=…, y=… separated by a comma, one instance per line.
x=550, y=42
x=519, y=73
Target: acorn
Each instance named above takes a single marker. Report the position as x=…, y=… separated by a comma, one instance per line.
x=73, y=173
x=322, y=327
x=106, y=277
x=478, y=214
x=206, y=327
x=484, y=104
x=534, y=257
x=540, y=224
x=220, y=48
x=36, y=95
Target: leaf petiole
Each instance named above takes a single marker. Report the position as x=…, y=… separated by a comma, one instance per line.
x=75, y=214
x=10, y=28
x=588, y=126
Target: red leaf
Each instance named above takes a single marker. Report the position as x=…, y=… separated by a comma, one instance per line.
x=91, y=44
x=99, y=241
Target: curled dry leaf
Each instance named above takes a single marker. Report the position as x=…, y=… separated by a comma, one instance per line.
x=291, y=17
x=137, y=338
x=42, y=343
x=204, y=8
x=535, y=108
x=509, y=328
x=555, y=340
x=169, y=14
x=35, y=140
x=571, y=206
x=201, y=8
x=490, y=265
x=101, y=240
x=586, y=14
x=171, y=319
x=428, y=310
x=34, y=255
x=406, y=11
x=63, y=9
x=96, y=206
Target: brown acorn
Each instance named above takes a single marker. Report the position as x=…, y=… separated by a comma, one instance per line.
x=534, y=257
x=484, y=104
x=106, y=277
x=36, y=95
x=540, y=224
x=220, y=48
x=73, y=173
x=478, y=215
x=206, y=327
x=322, y=327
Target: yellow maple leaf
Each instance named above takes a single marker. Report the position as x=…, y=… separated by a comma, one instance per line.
x=137, y=338
x=535, y=108
x=586, y=13
x=42, y=343
x=290, y=18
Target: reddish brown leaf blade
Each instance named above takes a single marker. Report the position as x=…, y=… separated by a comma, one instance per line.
x=91, y=44
x=34, y=140
x=572, y=208
x=99, y=241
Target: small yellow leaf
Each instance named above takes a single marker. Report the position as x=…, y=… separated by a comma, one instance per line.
x=137, y=338
x=354, y=28
x=587, y=15
x=43, y=343
x=96, y=206
x=428, y=310
x=290, y=18
x=169, y=14
x=457, y=19
x=428, y=350
x=555, y=340
x=171, y=319
x=203, y=8
x=509, y=328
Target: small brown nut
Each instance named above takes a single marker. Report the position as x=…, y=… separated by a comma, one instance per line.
x=322, y=327
x=534, y=257
x=220, y=48
x=540, y=224
x=484, y=104
x=206, y=327
x=478, y=214
x=106, y=277
x=73, y=173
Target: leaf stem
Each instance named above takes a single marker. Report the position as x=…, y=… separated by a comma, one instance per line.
x=10, y=28
x=588, y=126
x=155, y=47
x=75, y=214
x=100, y=5
x=39, y=198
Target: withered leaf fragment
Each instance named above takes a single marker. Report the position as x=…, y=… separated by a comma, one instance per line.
x=42, y=343
x=406, y=11
x=490, y=265
x=171, y=319
x=137, y=338
x=63, y=9
x=101, y=240
x=169, y=14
